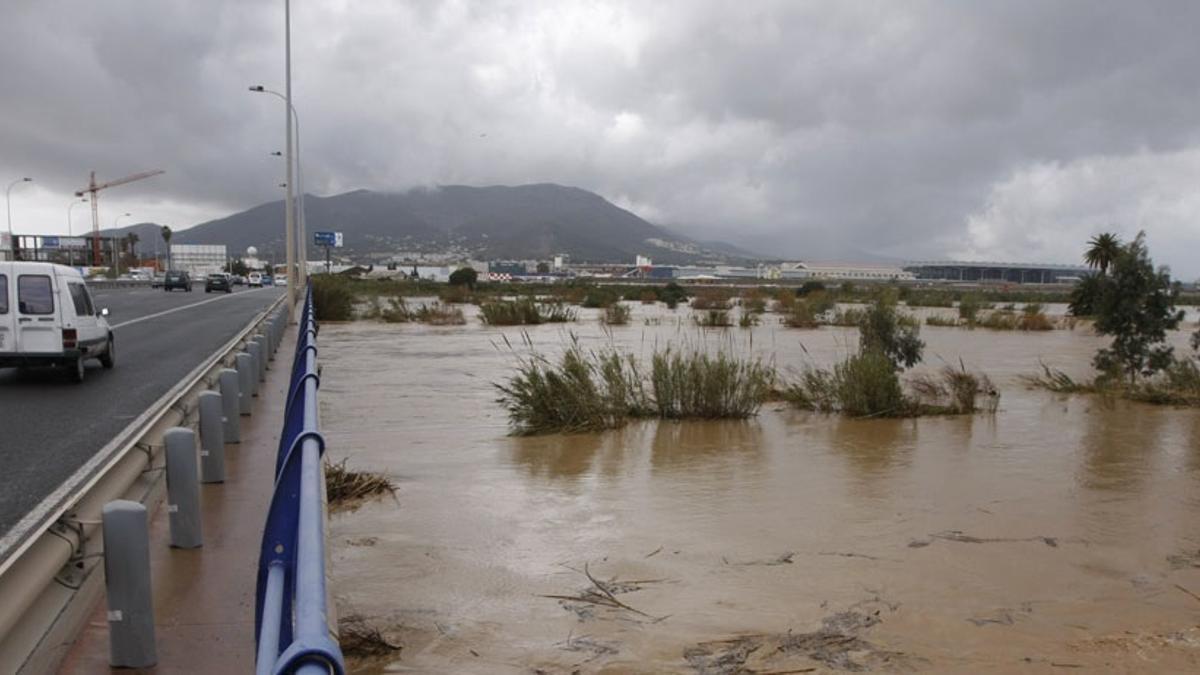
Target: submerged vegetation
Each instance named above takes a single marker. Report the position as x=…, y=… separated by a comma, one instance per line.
x=594, y=390
x=345, y=488
x=696, y=384
x=867, y=384
x=714, y=318
x=616, y=314
x=1134, y=303
x=523, y=312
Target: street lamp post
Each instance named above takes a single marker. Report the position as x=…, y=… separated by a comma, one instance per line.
x=116, y=252
x=71, y=231
x=8, y=207
x=301, y=244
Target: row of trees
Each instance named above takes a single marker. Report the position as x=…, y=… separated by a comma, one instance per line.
x=1131, y=301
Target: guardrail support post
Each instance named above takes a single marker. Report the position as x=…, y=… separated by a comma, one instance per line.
x=228, y=380
x=247, y=379
x=183, y=488
x=255, y=350
x=269, y=338
x=262, y=356
x=127, y=582
x=212, y=438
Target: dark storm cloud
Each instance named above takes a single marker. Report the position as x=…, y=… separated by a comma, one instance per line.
x=848, y=129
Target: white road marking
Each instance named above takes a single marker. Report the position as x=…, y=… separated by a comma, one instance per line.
x=181, y=308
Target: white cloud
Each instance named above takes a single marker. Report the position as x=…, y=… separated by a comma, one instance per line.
x=1047, y=211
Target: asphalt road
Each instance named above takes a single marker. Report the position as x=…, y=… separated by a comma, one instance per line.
x=50, y=427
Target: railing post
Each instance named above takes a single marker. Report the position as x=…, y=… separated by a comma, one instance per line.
x=262, y=356
x=255, y=351
x=230, y=404
x=212, y=438
x=183, y=488
x=127, y=585
x=246, y=381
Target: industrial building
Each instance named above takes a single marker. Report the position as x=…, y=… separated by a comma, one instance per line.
x=997, y=272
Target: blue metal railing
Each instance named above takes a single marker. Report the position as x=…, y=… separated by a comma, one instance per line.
x=290, y=614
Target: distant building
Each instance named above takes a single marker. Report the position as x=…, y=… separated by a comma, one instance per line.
x=844, y=271
x=198, y=259
x=997, y=272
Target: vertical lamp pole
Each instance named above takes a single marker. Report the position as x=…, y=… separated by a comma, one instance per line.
x=71, y=231
x=296, y=246
x=116, y=253
x=291, y=206
x=8, y=206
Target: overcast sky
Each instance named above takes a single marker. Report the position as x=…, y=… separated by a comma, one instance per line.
x=912, y=130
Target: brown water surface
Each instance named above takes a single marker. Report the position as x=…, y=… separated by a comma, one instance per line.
x=1059, y=533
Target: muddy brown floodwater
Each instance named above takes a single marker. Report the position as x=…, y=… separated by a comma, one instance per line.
x=1060, y=534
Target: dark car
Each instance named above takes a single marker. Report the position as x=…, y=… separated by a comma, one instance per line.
x=217, y=282
x=180, y=280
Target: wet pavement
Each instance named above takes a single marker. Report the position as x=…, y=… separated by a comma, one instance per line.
x=1059, y=533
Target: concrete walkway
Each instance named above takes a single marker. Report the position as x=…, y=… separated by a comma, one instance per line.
x=204, y=598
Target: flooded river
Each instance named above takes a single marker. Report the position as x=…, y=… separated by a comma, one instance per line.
x=1059, y=533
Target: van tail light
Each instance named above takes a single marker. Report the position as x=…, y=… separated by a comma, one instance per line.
x=70, y=338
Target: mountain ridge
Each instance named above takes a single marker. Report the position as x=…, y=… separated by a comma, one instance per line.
x=495, y=222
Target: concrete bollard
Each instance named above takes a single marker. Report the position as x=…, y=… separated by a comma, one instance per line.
x=183, y=488
x=127, y=585
x=262, y=356
x=255, y=351
x=212, y=438
x=229, y=405
x=269, y=339
x=245, y=365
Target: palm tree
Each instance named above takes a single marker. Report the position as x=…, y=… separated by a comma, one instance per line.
x=1102, y=251
x=166, y=235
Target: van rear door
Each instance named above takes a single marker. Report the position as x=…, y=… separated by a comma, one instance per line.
x=37, y=313
x=8, y=317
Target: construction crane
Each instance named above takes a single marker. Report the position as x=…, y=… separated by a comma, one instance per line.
x=93, y=188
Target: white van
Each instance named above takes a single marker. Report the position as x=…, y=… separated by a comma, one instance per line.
x=255, y=280
x=47, y=317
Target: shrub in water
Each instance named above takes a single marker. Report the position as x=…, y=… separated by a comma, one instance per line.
x=882, y=330
x=615, y=315
x=867, y=384
x=710, y=299
x=523, y=312
x=714, y=318
x=438, y=314
x=333, y=299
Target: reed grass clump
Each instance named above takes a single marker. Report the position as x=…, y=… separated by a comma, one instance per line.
x=438, y=314
x=596, y=390
x=748, y=319
x=941, y=321
x=616, y=314
x=867, y=385
x=457, y=295
x=583, y=391
x=809, y=311
x=714, y=318
x=700, y=385
x=525, y=311
x=1178, y=384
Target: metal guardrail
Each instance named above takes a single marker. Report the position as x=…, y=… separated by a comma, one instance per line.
x=32, y=553
x=290, y=613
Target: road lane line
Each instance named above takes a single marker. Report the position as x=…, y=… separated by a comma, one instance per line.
x=181, y=308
